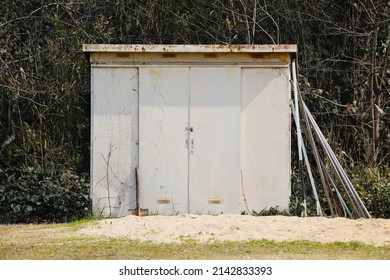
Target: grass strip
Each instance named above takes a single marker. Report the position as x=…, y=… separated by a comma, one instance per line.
x=71, y=248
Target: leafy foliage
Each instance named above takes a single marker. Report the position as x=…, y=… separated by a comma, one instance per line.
x=27, y=195
x=373, y=188
x=272, y=211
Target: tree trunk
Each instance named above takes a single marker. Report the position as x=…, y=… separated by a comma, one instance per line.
x=374, y=91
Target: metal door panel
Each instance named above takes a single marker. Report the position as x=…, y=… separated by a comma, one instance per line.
x=265, y=144
x=215, y=106
x=114, y=153
x=163, y=156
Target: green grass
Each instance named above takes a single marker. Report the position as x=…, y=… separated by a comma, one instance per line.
x=82, y=223
x=31, y=242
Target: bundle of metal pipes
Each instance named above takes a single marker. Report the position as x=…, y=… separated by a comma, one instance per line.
x=341, y=196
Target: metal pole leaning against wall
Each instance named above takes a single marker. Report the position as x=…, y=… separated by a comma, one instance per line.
x=299, y=135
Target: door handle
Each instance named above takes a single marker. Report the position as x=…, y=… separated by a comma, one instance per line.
x=190, y=128
x=192, y=143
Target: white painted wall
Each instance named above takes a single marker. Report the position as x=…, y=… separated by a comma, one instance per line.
x=114, y=140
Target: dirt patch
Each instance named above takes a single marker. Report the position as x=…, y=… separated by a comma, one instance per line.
x=206, y=228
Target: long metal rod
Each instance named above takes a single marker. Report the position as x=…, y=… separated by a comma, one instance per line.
x=337, y=166
x=361, y=211
x=342, y=202
x=316, y=154
x=347, y=191
x=333, y=160
x=299, y=135
x=318, y=205
x=137, y=201
x=330, y=190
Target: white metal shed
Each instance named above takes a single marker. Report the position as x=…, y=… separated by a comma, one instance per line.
x=207, y=126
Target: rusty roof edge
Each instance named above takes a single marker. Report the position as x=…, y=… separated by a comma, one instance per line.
x=106, y=48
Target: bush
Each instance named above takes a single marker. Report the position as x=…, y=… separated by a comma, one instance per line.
x=31, y=196
x=373, y=187
x=371, y=183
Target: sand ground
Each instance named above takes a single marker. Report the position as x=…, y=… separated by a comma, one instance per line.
x=206, y=228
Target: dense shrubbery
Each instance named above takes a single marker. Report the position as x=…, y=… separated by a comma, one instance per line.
x=373, y=186
x=27, y=195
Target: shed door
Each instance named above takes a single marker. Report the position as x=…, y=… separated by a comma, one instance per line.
x=163, y=156
x=215, y=107
x=266, y=116
x=190, y=139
